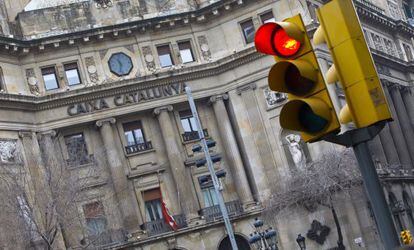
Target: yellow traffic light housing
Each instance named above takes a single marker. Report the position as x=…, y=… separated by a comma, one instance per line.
x=297, y=73
x=406, y=237
x=353, y=65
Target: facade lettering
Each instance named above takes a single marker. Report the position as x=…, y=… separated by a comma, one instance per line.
x=129, y=98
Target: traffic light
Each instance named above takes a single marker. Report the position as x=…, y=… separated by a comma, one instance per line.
x=353, y=65
x=406, y=237
x=297, y=73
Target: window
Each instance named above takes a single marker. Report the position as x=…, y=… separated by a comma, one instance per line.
x=185, y=52
x=2, y=86
x=164, y=54
x=50, y=79
x=152, y=199
x=408, y=52
x=72, y=74
x=209, y=194
x=134, y=133
x=120, y=64
x=77, y=150
x=248, y=31
x=408, y=11
x=267, y=17
x=95, y=218
x=187, y=121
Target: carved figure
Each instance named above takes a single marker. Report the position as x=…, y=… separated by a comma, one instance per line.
x=296, y=151
x=8, y=151
x=273, y=98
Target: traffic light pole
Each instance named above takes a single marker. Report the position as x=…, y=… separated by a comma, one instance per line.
x=358, y=139
x=210, y=166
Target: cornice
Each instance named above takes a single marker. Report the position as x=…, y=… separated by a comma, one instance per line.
x=376, y=15
x=203, y=14
x=35, y=103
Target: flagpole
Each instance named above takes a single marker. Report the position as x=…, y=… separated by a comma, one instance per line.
x=210, y=166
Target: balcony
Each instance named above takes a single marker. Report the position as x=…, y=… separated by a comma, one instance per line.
x=213, y=213
x=160, y=226
x=193, y=135
x=141, y=147
x=81, y=160
x=105, y=239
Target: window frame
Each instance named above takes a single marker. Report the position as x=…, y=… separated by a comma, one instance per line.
x=152, y=203
x=84, y=159
x=65, y=65
x=190, y=48
x=187, y=117
x=101, y=216
x=133, y=132
x=160, y=46
x=242, y=29
x=55, y=75
x=266, y=13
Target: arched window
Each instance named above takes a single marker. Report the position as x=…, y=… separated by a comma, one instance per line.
x=396, y=211
x=241, y=242
x=296, y=150
x=408, y=209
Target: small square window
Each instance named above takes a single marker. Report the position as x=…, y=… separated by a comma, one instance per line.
x=164, y=54
x=248, y=30
x=72, y=74
x=186, y=52
x=267, y=17
x=50, y=79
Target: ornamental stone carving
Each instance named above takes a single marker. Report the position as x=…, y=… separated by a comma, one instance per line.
x=149, y=58
x=103, y=3
x=32, y=81
x=296, y=150
x=273, y=98
x=92, y=70
x=8, y=151
x=205, y=50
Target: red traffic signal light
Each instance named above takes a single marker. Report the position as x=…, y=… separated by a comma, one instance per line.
x=272, y=39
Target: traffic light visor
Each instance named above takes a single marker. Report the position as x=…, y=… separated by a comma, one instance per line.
x=310, y=115
x=279, y=39
x=296, y=77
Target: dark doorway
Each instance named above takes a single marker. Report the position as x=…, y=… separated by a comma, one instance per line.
x=240, y=240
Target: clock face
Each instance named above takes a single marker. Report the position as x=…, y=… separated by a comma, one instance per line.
x=120, y=64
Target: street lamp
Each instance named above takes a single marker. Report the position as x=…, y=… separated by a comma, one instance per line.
x=263, y=240
x=301, y=242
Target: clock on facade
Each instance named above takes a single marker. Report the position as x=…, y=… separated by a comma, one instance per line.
x=120, y=64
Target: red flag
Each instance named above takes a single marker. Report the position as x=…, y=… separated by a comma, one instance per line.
x=167, y=216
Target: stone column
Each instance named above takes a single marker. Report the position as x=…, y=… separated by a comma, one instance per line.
x=124, y=195
x=389, y=147
x=408, y=98
x=397, y=134
x=42, y=195
x=231, y=150
x=182, y=177
x=377, y=150
x=258, y=135
x=404, y=120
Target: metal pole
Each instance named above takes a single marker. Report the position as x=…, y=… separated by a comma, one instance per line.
x=376, y=196
x=210, y=166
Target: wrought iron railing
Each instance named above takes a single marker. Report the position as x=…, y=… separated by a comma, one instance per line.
x=213, y=213
x=104, y=239
x=160, y=226
x=140, y=147
x=193, y=135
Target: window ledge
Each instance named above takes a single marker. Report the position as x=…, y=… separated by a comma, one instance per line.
x=139, y=153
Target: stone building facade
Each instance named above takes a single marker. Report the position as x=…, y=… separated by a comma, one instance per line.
x=97, y=88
